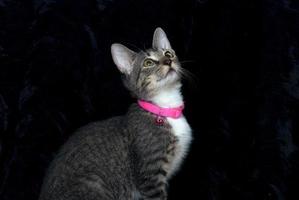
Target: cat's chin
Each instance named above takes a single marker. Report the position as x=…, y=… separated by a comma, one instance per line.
x=172, y=77
x=172, y=74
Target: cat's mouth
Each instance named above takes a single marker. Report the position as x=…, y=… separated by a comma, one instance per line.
x=170, y=75
x=171, y=72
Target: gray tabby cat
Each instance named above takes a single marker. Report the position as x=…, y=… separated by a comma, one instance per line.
x=128, y=157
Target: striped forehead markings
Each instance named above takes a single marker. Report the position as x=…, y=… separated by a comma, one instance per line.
x=153, y=55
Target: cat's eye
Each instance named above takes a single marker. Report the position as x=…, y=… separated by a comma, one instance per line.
x=148, y=63
x=168, y=54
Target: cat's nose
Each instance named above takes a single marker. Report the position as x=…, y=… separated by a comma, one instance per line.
x=167, y=62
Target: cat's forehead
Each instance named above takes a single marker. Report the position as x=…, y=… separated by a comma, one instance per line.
x=153, y=53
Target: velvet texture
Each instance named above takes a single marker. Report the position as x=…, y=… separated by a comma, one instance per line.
x=56, y=74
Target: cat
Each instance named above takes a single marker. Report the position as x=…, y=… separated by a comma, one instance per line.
x=128, y=157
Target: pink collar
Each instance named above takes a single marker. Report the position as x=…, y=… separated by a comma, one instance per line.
x=162, y=112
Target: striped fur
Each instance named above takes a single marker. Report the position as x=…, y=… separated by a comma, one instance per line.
x=128, y=157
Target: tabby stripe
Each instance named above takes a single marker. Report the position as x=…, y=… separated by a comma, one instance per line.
x=163, y=172
x=144, y=181
x=138, y=75
x=145, y=84
x=151, y=187
x=170, y=149
x=154, y=161
x=153, y=152
x=153, y=172
x=156, y=194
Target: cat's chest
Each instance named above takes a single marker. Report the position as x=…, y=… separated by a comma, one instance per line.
x=179, y=147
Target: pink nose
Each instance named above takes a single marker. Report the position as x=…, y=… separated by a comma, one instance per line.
x=167, y=62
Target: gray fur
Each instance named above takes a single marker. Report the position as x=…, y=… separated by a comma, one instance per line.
x=125, y=157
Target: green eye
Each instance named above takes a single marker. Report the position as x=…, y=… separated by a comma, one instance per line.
x=168, y=54
x=148, y=63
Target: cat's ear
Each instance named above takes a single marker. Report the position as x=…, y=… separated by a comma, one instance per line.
x=160, y=40
x=123, y=58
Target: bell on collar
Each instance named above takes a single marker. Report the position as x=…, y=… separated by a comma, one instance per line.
x=160, y=120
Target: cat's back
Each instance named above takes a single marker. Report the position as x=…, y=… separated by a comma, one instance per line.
x=98, y=131
x=95, y=155
x=95, y=136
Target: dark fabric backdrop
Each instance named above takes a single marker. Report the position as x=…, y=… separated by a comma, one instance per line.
x=56, y=74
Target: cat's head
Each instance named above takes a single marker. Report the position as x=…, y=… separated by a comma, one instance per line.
x=145, y=73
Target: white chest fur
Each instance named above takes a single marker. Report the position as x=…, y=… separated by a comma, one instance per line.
x=172, y=97
x=183, y=132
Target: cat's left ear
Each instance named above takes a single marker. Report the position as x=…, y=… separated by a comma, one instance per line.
x=123, y=58
x=160, y=40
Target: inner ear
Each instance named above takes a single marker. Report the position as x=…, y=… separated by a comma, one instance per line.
x=160, y=40
x=123, y=58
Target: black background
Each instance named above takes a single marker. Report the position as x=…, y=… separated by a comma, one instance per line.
x=56, y=74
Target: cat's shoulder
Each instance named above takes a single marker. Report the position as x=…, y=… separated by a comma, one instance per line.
x=102, y=124
x=99, y=128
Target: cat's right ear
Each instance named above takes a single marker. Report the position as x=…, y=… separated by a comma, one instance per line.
x=160, y=40
x=123, y=58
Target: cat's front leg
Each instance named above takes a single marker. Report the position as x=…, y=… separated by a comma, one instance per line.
x=154, y=191
x=153, y=185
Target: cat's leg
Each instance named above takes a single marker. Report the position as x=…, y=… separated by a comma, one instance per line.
x=82, y=191
x=151, y=177
x=154, y=186
x=150, y=164
x=153, y=191
x=92, y=190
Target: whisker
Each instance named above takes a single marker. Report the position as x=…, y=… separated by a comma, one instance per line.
x=144, y=47
x=190, y=77
x=187, y=61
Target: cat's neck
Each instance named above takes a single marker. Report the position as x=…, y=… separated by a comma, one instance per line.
x=169, y=97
